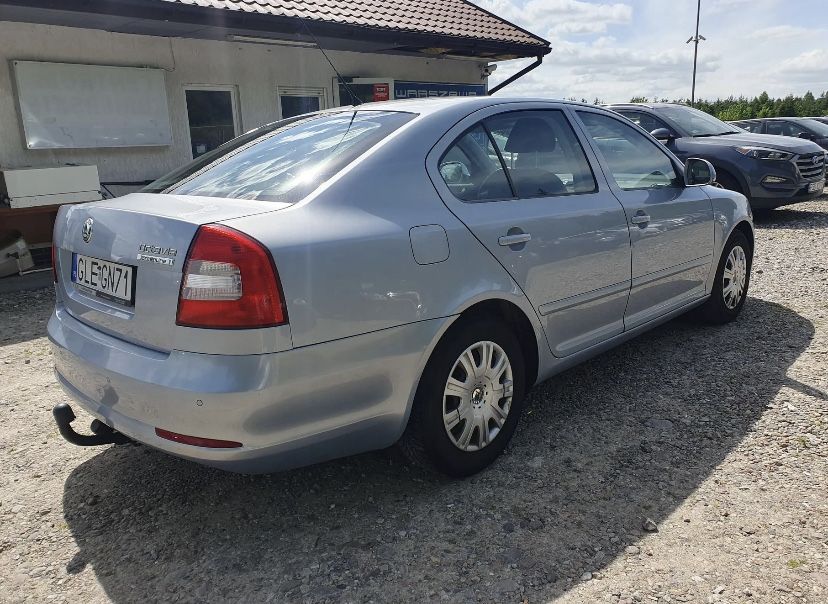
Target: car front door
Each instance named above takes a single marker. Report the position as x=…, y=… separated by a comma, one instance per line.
x=523, y=182
x=671, y=225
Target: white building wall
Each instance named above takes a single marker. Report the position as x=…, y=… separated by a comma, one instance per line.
x=255, y=70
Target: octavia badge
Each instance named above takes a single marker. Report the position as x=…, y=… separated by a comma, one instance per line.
x=87, y=230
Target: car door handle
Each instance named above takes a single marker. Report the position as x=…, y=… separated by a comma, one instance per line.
x=640, y=218
x=507, y=240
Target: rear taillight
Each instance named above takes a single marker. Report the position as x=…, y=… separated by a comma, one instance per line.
x=54, y=263
x=229, y=282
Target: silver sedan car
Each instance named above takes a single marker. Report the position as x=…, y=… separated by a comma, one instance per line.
x=397, y=272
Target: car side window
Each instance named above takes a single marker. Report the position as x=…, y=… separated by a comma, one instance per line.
x=472, y=169
x=542, y=154
x=793, y=129
x=634, y=161
x=778, y=128
x=645, y=120
x=523, y=154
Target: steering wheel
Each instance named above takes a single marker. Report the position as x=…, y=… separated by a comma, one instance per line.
x=490, y=189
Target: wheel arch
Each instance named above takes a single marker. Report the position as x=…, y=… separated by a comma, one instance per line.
x=515, y=318
x=745, y=227
x=734, y=174
x=530, y=336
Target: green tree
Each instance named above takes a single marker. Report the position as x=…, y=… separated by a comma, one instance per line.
x=743, y=108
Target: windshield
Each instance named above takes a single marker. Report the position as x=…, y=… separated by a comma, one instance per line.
x=695, y=122
x=814, y=126
x=285, y=161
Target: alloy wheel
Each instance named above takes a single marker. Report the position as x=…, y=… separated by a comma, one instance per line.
x=734, y=277
x=478, y=396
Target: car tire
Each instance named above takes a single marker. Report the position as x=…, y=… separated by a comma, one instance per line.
x=727, y=298
x=428, y=438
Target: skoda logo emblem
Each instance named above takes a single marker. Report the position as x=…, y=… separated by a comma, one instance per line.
x=87, y=230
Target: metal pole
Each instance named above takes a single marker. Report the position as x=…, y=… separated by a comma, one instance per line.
x=695, y=55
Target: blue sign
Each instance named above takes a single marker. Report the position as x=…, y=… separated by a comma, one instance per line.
x=423, y=90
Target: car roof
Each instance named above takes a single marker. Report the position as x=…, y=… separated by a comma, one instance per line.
x=645, y=105
x=438, y=104
x=778, y=118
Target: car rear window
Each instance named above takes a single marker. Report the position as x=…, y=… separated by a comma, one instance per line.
x=284, y=162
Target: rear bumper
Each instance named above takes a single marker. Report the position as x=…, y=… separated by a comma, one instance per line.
x=288, y=409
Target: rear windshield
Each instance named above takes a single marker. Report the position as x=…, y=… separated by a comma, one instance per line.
x=285, y=161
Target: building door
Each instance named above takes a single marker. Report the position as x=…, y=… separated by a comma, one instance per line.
x=212, y=117
x=296, y=101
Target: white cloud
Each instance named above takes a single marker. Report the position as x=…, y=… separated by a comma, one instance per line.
x=810, y=62
x=778, y=32
x=550, y=17
x=617, y=50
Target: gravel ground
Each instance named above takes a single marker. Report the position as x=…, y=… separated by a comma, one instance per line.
x=690, y=465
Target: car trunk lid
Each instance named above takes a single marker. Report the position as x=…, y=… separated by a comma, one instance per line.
x=150, y=235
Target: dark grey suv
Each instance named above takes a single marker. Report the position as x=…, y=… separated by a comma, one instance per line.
x=771, y=171
x=798, y=127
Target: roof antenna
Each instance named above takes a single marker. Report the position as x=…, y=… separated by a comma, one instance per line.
x=354, y=99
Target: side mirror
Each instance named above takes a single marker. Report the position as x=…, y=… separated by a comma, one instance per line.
x=699, y=172
x=806, y=135
x=454, y=172
x=663, y=135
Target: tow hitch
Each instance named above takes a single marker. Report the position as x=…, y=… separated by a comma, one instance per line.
x=101, y=433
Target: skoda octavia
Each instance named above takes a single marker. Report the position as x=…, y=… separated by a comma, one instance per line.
x=391, y=272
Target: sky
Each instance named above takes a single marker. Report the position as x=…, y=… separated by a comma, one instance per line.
x=614, y=51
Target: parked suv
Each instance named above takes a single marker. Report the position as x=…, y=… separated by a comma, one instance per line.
x=771, y=171
x=798, y=127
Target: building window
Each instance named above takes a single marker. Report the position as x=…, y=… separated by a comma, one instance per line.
x=212, y=117
x=296, y=101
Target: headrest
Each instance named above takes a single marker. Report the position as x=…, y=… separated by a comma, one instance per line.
x=531, y=134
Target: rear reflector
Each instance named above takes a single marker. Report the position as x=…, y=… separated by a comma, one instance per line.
x=229, y=282
x=197, y=441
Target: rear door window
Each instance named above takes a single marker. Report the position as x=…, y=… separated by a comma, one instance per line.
x=542, y=154
x=284, y=164
x=522, y=154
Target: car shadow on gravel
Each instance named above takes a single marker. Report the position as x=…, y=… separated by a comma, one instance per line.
x=625, y=437
x=792, y=218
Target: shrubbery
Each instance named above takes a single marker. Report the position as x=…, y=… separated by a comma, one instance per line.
x=742, y=108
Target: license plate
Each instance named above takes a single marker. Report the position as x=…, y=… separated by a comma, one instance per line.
x=816, y=186
x=104, y=279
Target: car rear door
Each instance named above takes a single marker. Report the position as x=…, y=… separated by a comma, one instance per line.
x=671, y=225
x=523, y=181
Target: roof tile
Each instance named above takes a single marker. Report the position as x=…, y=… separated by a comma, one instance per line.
x=441, y=17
